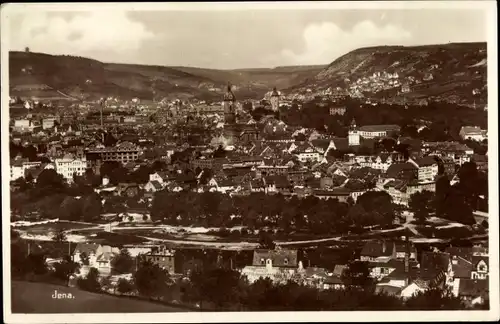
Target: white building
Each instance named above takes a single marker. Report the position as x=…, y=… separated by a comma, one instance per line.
x=427, y=168
x=68, y=166
x=353, y=135
x=18, y=168
x=472, y=133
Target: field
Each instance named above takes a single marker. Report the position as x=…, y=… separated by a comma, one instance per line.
x=34, y=298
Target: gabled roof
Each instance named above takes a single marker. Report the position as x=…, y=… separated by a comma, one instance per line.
x=463, y=252
x=279, y=258
x=155, y=184
x=476, y=259
x=86, y=248
x=435, y=260
x=280, y=181
x=473, y=288
x=471, y=130
x=379, y=128
x=378, y=248
x=426, y=161
x=461, y=268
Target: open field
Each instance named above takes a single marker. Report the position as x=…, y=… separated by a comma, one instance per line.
x=33, y=298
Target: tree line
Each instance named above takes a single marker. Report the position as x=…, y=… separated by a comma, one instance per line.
x=258, y=210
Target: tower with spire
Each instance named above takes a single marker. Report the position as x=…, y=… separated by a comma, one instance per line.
x=353, y=135
x=275, y=100
x=229, y=106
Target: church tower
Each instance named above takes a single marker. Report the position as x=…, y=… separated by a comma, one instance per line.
x=229, y=106
x=353, y=137
x=275, y=100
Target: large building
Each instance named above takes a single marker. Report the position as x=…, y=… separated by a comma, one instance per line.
x=163, y=257
x=277, y=265
x=124, y=152
x=69, y=166
x=376, y=131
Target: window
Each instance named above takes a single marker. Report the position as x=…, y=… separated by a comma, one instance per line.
x=286, y=261
x=262, y=261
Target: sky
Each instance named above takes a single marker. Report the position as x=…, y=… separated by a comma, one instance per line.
x=237, y=38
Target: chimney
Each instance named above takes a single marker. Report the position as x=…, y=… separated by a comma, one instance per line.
x=407, y=255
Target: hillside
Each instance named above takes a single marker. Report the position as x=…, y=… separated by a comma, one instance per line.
x=68, y=77
x=35, y=298
x=450, y=72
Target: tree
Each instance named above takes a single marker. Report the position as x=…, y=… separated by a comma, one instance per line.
x=36, y=262
x=123, y=262
x=59, y=236
x=222, y=287
x=266, y=241
x=125, y=286
x=421, y=204
x=92, y=207
x=434, y=299
x=379, y=203
x=49, y=182
x=84, y=258
x=70, y=209
x=90, y=282
x=357, y=274
x=64, y=269
x=150, y=280
x=441, y=195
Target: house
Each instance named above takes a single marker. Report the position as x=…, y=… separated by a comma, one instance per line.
x=397, y=189
x=401, y=250
x=378, y=251
x=312, y=277
x=427, y=168
x=473, y=291
x=380, y=162
x=337, y=110
x=134, y=217
x=104, y=258
x=480, y=267
x=95, y=256
x=160, y=177
x=402, y=171
x=153, y=186
x=413, y=187
x=86, y=250
x=128, y=189
x=226, y=185
x=377, y=131
x=163, y=257
x=278, y=183
x=334, y=282
x=472, y=133
x=341, y=194
x=279, y=265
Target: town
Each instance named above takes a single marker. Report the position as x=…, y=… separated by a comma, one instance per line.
x=219, y=205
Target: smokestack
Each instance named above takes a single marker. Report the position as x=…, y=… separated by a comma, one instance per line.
x=407, y=255
x=102, y=123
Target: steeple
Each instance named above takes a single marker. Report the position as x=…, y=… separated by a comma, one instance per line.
x=275, y=100
x=229, y=105
x=353, y=124
x=229, y=95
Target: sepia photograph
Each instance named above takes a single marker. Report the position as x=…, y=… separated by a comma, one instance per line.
x=256, y=161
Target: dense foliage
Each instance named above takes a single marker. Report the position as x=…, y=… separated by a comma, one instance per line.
x=259, y=210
